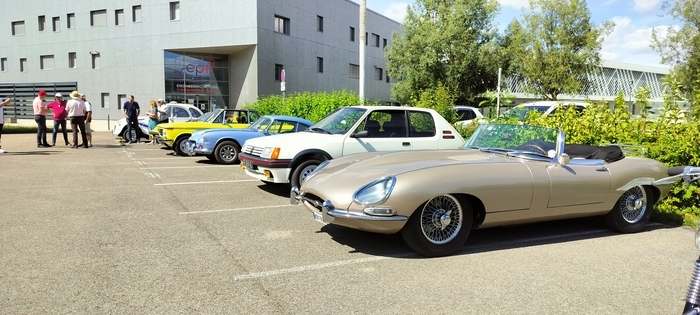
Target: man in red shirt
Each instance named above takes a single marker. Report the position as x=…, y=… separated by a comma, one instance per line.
x=59, y=117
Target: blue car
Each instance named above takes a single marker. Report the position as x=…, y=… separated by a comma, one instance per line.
x=223, y=145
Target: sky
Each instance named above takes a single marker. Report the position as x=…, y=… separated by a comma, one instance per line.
x=629, y=41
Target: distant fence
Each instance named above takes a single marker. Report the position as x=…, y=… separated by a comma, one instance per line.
x=23, y=95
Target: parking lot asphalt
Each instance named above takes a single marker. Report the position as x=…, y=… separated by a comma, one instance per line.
x=134, y=230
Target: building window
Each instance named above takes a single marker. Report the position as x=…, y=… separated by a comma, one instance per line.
x=22, y=64
x=378, y=73
x=175, y=11
x=354, y=71
x=17, y=28
x=98, y=18
x=319, y=21
x=46, y=62
x=42, y=23
x=319, y=62
x=136, y=14
x=387, y=78
x=119, y=17
x=121, y=99
x=3, y=64
x=384, y=44
x=72, y=64
x=56, y=24
x=95, y=61
x=375, y=40
x=105, y=100
x=352, y=34
x=366, y=39
x=70, y=20
x=278, y=72
x=281, y=25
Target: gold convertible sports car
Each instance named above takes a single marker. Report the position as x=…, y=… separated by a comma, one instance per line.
x=504, y=175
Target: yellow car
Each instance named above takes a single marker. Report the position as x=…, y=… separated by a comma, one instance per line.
x=175, y=135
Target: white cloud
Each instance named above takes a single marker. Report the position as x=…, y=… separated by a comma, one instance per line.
x=517, y=4
x=646, y=6
x=396, y=11
x=631, y=44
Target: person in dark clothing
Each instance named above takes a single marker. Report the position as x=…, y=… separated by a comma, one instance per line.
x=132, y=111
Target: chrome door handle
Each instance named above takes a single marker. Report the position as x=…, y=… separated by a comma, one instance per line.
x=405, y=144
x=602, y=169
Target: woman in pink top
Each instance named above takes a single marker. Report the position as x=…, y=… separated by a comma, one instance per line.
x=59, y=118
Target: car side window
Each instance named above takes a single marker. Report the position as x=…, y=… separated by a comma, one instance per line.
x=281, y=126
x=179, y=112
x=253, y=116
x=465, y=114
x=384, y=124
x=194, y=113
x=422, y=124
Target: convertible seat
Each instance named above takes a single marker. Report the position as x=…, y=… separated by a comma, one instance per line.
x=608, y=153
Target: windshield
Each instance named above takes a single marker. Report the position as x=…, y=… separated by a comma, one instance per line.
x=339, y=121
x=519, y=112
x=503, y=138
x=206, y=116
x=261, y=124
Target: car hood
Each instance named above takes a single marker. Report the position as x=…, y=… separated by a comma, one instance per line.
x=354, y=171
x=287, y=139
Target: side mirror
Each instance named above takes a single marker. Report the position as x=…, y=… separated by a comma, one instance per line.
x=563, y=159
x=360, y=134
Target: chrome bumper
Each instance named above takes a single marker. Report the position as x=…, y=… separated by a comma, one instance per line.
x=329, y=212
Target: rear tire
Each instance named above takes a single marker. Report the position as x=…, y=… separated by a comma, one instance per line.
x=632, y=211
x=439, y=227
x=226, y=152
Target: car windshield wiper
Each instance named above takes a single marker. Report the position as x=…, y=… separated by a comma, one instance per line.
x=320, y=130
x=497, y=150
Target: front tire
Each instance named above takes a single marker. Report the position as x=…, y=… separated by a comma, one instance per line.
x=227, y=152
x=439, y=227
x=180, y=145
x=632, y=211
x=303, y=170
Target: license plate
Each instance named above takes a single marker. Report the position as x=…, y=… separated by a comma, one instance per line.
x=248, y=165
x=318, y=217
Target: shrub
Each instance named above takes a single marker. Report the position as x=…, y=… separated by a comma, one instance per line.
x=307, y=105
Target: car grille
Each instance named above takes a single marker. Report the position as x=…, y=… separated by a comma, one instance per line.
x=314, y=200
x=162, y=132
x=249, y=149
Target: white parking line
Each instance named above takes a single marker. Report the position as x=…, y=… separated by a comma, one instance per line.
x=199, y=166
x=466, y=249
x=236, y=209
x=210, y=182
x=317, y=266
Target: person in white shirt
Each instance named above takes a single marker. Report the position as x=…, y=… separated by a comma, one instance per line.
x=76, y=114
x=88, y=119
x=162, y=114
x=3, y=103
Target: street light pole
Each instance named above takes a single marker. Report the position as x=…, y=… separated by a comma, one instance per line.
x=363, y=38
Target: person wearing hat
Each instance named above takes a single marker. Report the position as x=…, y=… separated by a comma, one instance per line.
x=40, y=112
x=76, y=114
x=58, y=107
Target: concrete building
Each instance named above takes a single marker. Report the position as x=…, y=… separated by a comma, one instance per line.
x=212, y=53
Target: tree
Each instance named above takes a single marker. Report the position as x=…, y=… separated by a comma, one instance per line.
x=555, y=47
x=680, y=48
x=445, y=42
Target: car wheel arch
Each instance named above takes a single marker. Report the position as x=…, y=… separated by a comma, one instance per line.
x=478, y=208
x=316, y=154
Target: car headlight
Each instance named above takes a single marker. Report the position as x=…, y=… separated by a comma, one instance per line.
x=375, y=192
x=270, y=153
x=318, y=168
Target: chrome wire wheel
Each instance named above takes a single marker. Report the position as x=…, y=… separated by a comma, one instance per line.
x=633, y=204
x=441, y=219
x=228, y=153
